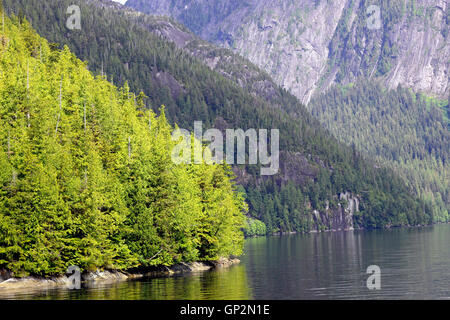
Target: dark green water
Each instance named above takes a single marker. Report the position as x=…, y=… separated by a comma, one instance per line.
x=415, y=264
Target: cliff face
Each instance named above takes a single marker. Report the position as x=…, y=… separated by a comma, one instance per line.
x=337, y=219
x=308, y=45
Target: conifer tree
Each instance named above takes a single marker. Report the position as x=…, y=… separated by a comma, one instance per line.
x=86, y=173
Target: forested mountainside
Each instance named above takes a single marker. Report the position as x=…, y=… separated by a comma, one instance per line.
x=320, y=49
x=407, y=131
x=320, y=183
x=87, y=177
x=309, y=45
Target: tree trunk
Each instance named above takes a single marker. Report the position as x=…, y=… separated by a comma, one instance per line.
x=60, y=105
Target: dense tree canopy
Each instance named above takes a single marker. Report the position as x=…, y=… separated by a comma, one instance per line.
x=398, y=128
x=86, y=172
x=128, y=46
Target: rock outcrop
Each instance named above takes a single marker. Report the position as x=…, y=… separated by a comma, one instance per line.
x=337, y=219
x=9, y=283
x=309, y=45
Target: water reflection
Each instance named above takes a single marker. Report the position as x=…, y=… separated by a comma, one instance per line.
x=415, y=264
x=231, y=284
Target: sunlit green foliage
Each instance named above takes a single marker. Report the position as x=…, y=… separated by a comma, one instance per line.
x=254, y=227
x=86, y=172
x=126, y=46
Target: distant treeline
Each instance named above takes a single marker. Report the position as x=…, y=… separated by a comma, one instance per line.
x=405, y=131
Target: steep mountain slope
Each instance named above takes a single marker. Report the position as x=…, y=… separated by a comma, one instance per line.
x=404, y=130
x=321, y=184
x=309, y=45
x=328, y=47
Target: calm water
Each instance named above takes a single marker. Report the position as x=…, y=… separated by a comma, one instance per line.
x=415, y=264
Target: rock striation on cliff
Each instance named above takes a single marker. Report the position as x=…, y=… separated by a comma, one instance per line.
x=339, y=218
x=309, y=45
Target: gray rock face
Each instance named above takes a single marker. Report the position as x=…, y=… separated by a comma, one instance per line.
x=309, y=45
x=337, y=219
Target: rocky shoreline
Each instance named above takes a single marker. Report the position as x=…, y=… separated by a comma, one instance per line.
x=9, y=283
